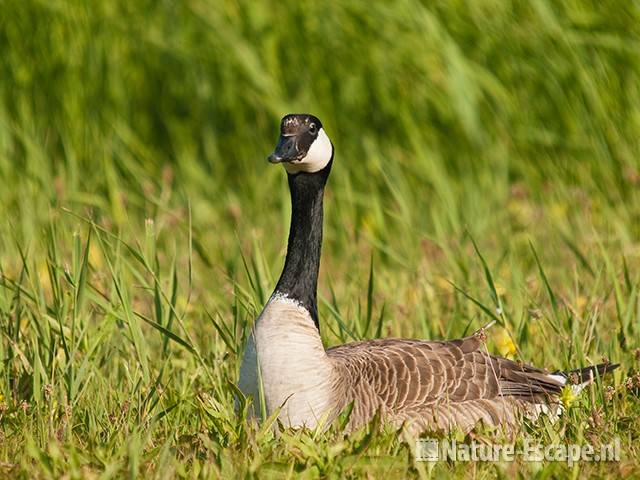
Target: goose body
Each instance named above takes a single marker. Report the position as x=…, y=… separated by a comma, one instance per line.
x=421, y=385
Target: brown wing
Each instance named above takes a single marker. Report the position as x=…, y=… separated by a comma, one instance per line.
x=438, y=385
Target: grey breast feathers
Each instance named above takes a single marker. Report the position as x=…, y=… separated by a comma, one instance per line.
x=438, y=385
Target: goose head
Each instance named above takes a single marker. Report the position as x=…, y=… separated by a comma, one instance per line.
x=303, y=145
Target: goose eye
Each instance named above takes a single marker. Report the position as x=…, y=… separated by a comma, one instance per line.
x=312, y=129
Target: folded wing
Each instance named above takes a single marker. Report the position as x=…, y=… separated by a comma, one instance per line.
x=439, y=385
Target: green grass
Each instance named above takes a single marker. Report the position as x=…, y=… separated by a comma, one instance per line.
x=141, y=228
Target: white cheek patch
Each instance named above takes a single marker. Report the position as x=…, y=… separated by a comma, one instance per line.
x=317, y=157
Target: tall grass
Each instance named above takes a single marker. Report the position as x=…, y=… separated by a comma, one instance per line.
x=486, y=166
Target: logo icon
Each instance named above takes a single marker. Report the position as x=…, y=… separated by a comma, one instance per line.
x=427, y=450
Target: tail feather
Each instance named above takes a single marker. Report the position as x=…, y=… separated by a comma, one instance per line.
x=577, y=379
x=582, y=376
x=587, y=374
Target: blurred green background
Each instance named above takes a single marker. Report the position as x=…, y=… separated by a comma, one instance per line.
x=439, y=108
x=515, y=123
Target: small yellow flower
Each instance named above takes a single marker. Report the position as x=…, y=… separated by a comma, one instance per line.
x=1, y=397
x=95, y=256
x=535, y=330
x=43, y=276
x=500, y=290
x=581, y=302
x=558, y=211
x=504, y=343
x=444, y=285
x=567, y=397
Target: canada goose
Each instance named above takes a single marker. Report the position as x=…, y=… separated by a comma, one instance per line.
x=423, y=385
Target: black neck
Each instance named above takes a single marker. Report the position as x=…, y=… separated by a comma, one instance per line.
x=299, y=278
